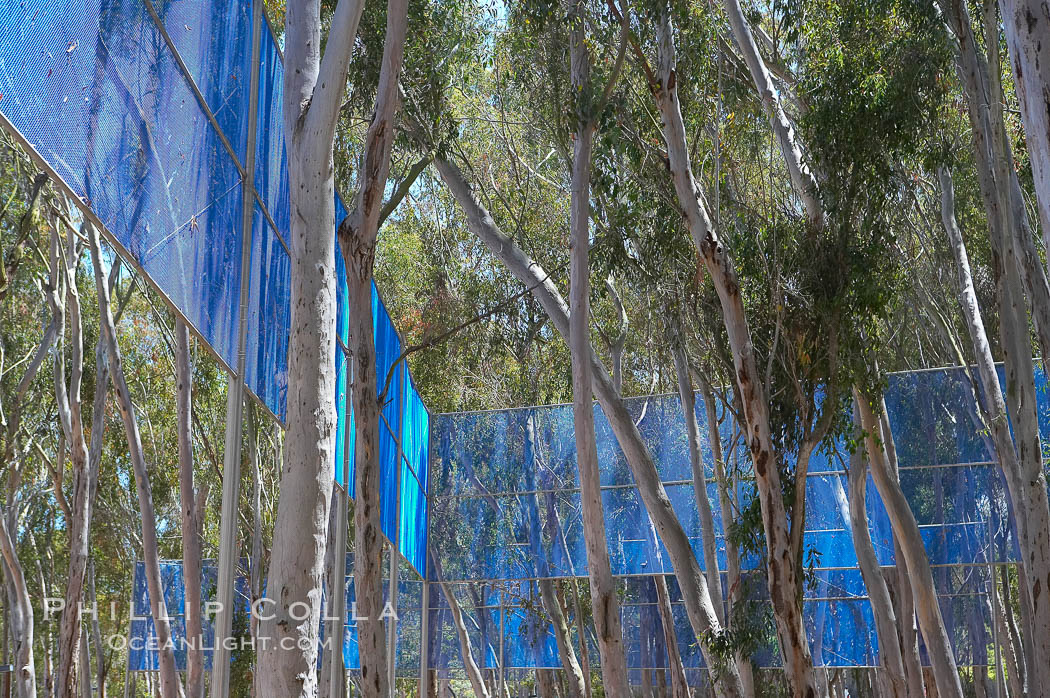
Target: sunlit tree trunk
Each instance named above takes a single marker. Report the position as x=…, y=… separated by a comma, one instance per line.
x=191, y=520
x=802, y=180
x=690, y=576
x=357, y=242
x=905, y=528
x=605, y=603
x=1027, y=27
x=891, y=662
x=687, y=395
x=313, y=90
x=782, y=575
x=85, y=459
x=726, y=503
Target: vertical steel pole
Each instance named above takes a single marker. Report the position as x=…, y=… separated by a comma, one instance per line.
x=424, y=622
x=500, y=677
x=337, y=616
x=395, y=555
x=231, y=459
x=999, y=687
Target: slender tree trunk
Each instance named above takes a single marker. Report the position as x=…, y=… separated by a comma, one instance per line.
x=1035, y=526
x=96, y=635
x=890, y=658
x=255, y=563
x=85, y=459
x=357, y=241
x=170, y=685
x=726, y=502
x=782, y=575
x=906, y=529
x=470, y=665
x=691, y=579
x=801, y=179
x=687, y=395
x=548, y=595
x=313, y=90
x=21, y=615
x=605, y=603
x=191, y=524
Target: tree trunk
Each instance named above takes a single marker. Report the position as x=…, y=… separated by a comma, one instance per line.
x=357, y=241
x=906, y=530
x=726, y=502
x=1034, y=529
x=782, y=575
x=470, y=665
x=605, y=602
x=21, y=615
x=191, y=522
x=890, y=657
x=687, y=395
x=801, y=179
x=1027, y=27
x=690, y=577
x=85, y=459
x=313, y=90
x=548, y=595
x=170, y=685
x=255, y=563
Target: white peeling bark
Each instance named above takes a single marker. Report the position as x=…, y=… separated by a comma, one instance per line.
x=605, y=603
x=313, y=89
x=802, y=180
x=687, y=395
x=734, y=583
x=1022, y=466
x=191, y=520
x=891, y=661
x=1027, y=27
x=170, y=685
x=782, y=575
x=905, y=528
x=690, y=576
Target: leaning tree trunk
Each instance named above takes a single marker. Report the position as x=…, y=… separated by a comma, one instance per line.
x=782, y=573
x=690, y=576
x=891, y=660
x=802, y=180
x=191, y=519
x=1022, y=466
x=470, y=665
x=687, y=395
x=605, y=602
x=905, y=528
x=313, y=91
x=170, y=685
x=734, y=582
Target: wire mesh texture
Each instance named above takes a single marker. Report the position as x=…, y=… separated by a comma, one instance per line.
x=141, y=109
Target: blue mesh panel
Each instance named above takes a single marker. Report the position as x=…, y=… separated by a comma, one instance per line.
x=412, y=520
x=214, y=41
x=269, y=317
x=81, y=85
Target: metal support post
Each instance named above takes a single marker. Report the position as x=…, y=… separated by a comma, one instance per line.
x=231, y=462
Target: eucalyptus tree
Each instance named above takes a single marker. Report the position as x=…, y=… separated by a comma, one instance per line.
x=313, y=90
